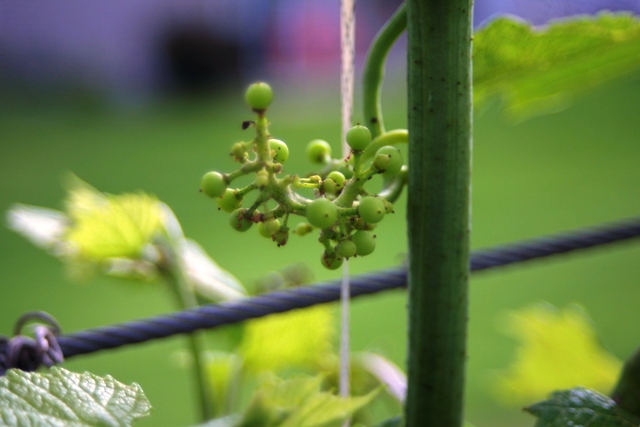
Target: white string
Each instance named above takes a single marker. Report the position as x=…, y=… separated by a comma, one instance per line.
x=347, y=39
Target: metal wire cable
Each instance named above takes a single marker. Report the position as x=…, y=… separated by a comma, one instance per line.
x=214, y=315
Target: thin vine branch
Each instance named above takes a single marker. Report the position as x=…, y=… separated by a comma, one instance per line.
x=373, y=73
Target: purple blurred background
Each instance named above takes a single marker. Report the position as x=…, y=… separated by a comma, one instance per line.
x=129, y=50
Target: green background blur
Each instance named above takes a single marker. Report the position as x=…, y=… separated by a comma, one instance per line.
x=550, y=173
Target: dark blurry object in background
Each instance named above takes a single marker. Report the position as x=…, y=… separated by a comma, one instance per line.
x=198, y=61
x=129, y=51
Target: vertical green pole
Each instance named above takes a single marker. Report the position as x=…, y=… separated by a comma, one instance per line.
x=439, y=84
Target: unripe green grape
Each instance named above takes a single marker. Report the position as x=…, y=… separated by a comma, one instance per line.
x=365, y=242
x=331, y=261
x=213, y=184
x=239, y=151
x=322, y=213
x=388, y=206
x=259, y=96
x=395, y=162
x=238, y=221
x=229, y=201
x=381, y=162
x=281, y=236
x=262, y=178
x=346, y=249
x=268, y=227
x=318, y=151
x=371, y=209
x=329, y=186
x=303, y=228
x=358, y=137
x=279, y=150
x=338, y=177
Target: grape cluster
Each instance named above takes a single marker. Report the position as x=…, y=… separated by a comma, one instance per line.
x=342, y=209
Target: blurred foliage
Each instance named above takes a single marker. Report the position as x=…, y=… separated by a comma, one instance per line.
x=300, y=338
x=133, y=236
x=300, y=402
x=539, y=70
x=558, y=350
x=121, y=226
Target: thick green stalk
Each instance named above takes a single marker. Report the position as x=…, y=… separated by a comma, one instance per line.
x=439, y=86
x=373, y=72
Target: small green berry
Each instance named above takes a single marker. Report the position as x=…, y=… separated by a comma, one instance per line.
x=381, y=162
x=268, y=227
x=279, y=150
x=346, y=249
x=388, y=206
x=281, y=236
x=229, y=201
x=319, y=151
x=331, y=261
x=371, y=210
x=358, y=137
x=259, y=96
x=213, y=184
x=395, y=160
x=339, y=179
x=238, y=221
x=329, y=186
x=322, y=213
x=303, y=228
x=365, y=242
x=239, y=151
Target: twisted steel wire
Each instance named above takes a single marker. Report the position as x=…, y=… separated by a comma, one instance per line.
x=214, y=315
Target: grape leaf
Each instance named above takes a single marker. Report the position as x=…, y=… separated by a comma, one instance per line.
x=120, y=235
x=300, y=402
x=300, y=338
x=119, y=228
x=559, y=349
x=580, y=406
x=537, y=70
x=68, y=399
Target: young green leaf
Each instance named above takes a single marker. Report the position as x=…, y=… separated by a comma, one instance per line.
x=539, y=70
x=559, y=350
x=580, y=406
x=67, y=399
x=223, y=370
x=300, y=338
x=299, y=402
x=120, y=228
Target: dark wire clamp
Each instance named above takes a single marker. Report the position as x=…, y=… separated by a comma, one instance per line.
x=26, y=353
